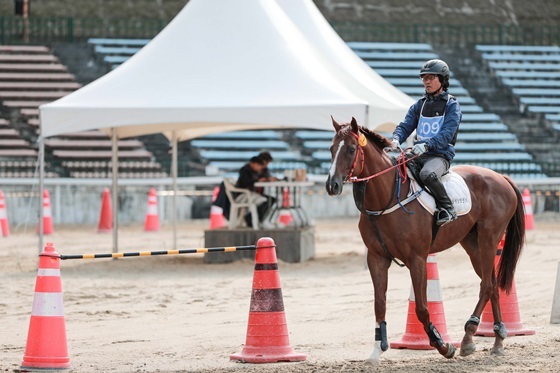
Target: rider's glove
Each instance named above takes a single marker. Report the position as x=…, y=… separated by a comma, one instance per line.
x=395, y=143
x=420, y=148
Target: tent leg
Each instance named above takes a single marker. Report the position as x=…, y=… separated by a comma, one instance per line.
x=174, y=176
x=114, y=187
x=40, y=193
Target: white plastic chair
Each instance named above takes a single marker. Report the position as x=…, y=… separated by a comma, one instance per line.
x=242, y=200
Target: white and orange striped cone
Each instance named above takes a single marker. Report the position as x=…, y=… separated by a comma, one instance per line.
x=217, y=219
x=509, y=307
x=4, y=226
x=285, y=216
x=46, y=348
x=529, y=217
x=555, y=313
x=47, y=214
x=151, y=223
x=415, y=338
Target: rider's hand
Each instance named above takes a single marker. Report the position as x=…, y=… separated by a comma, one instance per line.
x=395, y=144
x=420, y=148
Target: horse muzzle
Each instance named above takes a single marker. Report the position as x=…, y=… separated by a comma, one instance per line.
x=334, y=186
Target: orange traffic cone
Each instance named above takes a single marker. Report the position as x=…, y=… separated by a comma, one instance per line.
x=4, y=226
x=285, y=216
x=529, y=218
x=106, y=216
x=47, y=214
x=415, y=338
x=509, y=307
x=46, y=347
x=267, y=331
x=151, y=223
x=217, y=219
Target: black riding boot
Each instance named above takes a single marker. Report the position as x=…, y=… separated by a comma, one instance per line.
x=446, y=213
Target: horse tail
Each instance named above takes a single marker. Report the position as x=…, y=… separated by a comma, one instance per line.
x=515, y=238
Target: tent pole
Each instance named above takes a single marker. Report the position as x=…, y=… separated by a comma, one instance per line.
x=40, y=193
x=115, y=174
x=174, y=176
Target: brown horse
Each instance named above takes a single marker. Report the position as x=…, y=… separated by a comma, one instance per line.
x=497, y=207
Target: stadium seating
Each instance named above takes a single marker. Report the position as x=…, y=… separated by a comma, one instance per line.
x=31, y=76
x=532, y=73
x=114, y=52
x=482, y=136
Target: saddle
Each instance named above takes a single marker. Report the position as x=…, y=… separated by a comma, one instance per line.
x=454, y=184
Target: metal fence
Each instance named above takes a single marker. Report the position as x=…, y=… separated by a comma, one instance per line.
x=76, y=29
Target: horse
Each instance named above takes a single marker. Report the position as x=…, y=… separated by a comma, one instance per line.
x=407, y=233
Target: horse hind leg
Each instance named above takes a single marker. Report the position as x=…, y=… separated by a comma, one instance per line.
x=482, y=262
x=500, y=331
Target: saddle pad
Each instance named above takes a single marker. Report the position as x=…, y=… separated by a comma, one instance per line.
x=456, y=188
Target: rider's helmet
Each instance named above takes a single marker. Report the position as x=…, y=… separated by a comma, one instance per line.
x=439, y=68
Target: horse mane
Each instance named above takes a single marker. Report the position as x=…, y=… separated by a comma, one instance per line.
x=374, y=137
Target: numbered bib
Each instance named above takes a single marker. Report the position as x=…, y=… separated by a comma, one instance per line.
x=428, y=127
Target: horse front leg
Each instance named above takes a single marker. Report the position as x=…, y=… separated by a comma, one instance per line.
x=378, y=269
x=418, y=274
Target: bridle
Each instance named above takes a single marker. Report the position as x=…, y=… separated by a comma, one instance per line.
x=400, y=164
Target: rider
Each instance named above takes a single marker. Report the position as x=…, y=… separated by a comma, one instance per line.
x=436, y=118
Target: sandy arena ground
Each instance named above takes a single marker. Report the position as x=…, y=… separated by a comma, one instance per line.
x=176, y=314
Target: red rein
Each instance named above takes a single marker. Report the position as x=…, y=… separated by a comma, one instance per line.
x=400, y=166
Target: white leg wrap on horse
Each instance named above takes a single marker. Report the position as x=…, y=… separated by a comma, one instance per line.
x=375, y=356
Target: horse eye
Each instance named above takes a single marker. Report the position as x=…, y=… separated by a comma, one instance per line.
x=351, y=149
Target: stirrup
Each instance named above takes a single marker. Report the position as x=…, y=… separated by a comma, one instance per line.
x=444, y=217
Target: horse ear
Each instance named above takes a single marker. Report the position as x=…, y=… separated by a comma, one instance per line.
x=335, y=124
x=354, y=124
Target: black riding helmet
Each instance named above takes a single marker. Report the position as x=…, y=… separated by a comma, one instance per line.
x=439, y=68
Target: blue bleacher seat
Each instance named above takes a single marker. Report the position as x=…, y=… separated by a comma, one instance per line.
x=523, y=66
x=544, y=109
x=246, y=155
x=101, y=49
x=482, y=127
x=536, y=92
x=315, y=135
x=390, y=46
x=541, y=101
x=115, y=59
x=476, y=117
x=118, y=42
x=518, y=48
x=394, y=65
x=554, y=117
x=503, y=136
x=471, y=109
x=528, y=74
x=239, y=144
x=473, y=157
x=489, y=146
x=530, y=83
x=521, y=57
x=397, y=56
x=317, y=144
x=245, y=135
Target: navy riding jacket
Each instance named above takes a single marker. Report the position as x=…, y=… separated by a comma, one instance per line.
x=443, y=143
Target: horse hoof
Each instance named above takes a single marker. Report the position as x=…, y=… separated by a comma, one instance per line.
x=497, y=351
x=467, y=349
x=373, y=362
x=450, y=351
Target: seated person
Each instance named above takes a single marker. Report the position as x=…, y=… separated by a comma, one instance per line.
x=265, y=174
x=248, y=176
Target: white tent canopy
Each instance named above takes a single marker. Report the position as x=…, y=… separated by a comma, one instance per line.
x=224, y=66
x=221, y=66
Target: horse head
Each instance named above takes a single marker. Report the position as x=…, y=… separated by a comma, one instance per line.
x=345, y=151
